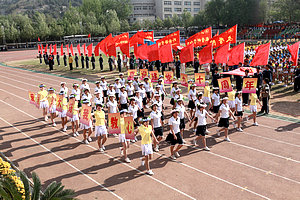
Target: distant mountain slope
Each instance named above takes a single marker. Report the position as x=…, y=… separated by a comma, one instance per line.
x=52, y=7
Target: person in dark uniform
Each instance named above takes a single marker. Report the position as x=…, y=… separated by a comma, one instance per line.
x=101, y=62
x=163, y=67
x=119, y=61
x=258, y=75
x=51, y=62
x=93, y=60
x=71, y=62
x=82, y=61
x=196, y=65
x=212, y=67
x=267, y=73
x=157, y=65
x=41, y=58
x=239, y=80
x=297, y=79
x=265, y=95
x=215, y=78
x=65, y=59
x=177, y=67
x=46, y=58
x=131, y=61
x=58, y=59
x=76, y=60
x=87, y=60
x=110, y=63
x=246, y=95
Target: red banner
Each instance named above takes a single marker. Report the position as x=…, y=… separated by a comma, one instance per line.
x=55, y=49
x=129, y=128
x=153, y=53
x=153, y=76
x=61, y=49
x=261, y=56
x=221, y=55
x=31, y=98
x=143, y=73
x=59, y=103
x=165, y=53
x=173, y=39
x=294, y=49
x=205, y=55
x=187, y=54
x=200, y=39
x=68, y=50
x=114, y=123
x=85, y=115
x=168, y=77
x=139, y=37
x=184, y=79
x=70, y=108
x=200, y=79
x=38, y=99
x=72, y=51
x=121, y=39
x=78, y=49
x=225, y=85
x=90, y=49
x=142, y=52
x=84, y=49
x=249, y=85
x=228, y=36
x=236, y=55
x=131, y=74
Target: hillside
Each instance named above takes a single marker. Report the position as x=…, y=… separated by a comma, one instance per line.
x=54, y=8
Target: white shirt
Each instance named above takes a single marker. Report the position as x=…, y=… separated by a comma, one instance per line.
x=117, y=87
x=159, y=103
x=112, y=106
x=123, y=97
x=181, y=111
x=142, y=92
x=111, y=92
x=139, y=102
x=161, y=88
x=84, y=86
x=136, y=85
x=201, y=117
x=103, y=84
x=122, y=81
x=88, y=97
x=76, y=93
x=173, y=92
x=65, y=90
x=130, y=90
x=224, y=110
x=147, y=87
x=97, y=100
x=156, y=117
x=133, y=110
x=216, y=98
x=192, y=95
x=239, y=104
x=175, y=124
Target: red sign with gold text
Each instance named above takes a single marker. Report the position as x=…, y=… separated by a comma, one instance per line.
x=143, y=73
x=228, y=36
x=173, y=39
x=168, y=77
x=85, y=115
x=225, y=85
x=200, y=39
x=200, y=79
x=114, y=123
x=70, y=107
x=153, y=76
x=129, y=128
x=184, y=79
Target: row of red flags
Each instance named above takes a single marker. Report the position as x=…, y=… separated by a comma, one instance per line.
x=162, y=49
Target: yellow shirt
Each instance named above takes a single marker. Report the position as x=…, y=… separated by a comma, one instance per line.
x=70, y=60
x=65, y=104
x=43, y=95
x=231, y=95
x=253, y=99
x=100, y=118
x=206, y=91
x=51, y=98
x=146, y=134
x=75, y=108
x=122, y=124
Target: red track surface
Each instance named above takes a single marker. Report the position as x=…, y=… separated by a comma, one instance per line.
x=260, y=163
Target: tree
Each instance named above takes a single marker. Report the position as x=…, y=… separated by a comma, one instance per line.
x=187, y=19
x=168, y=23
x=147, y=24
x=112, y=23
x=287, y=10
x=177, y=22
x=158, y=24
x=56, y=30
x=124, y=25
x=200, y=19
x=136, y=26
x=214, y=11
x=40, y=25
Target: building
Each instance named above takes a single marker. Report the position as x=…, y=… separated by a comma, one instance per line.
x=150, y=9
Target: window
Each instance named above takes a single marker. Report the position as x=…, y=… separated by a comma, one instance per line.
x=167, y=2
x=145, y=7
x=196, y=9
x=168, y=9
x=196, y=3
x=188, y=9
x=177, y=9
x=151, y=7
x=187, y=3
x=168, y=16
x=137, y=7
x=177, y=3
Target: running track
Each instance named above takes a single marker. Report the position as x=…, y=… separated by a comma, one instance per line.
x=260, y=163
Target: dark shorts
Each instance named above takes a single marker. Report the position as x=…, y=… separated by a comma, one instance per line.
x=117, y=96
x=201, y=130
x=158, y=131
x=162, y=116
x=79, y=104
x=162, y=97
x=224, y=122
x=140, y=113
x=130, y=96
x=182, y=124
x=148, y=95
x=105, y=93
x=238, y=114
x=170, y=139
x=191, y=104
x=124, y=106
x=196, y=119
x=216, y=109
x=136, y=124
x=172, y=102
x=145, y=101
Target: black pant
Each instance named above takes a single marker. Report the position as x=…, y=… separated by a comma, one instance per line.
x=297, y=84
x=82, y=64
x=58, y=62
x=245, y=98
x=119, y=67
x=177, y=72
x=65, y=62
x=101, y=66
x=76, y=63
x=71, y=66
x=93, y=65
x=50, y=67
x=265, y=106
x=110, y=67
x=41, y=61
x=87, y=64
x=258, y=92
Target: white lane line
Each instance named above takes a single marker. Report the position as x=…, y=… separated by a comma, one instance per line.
x=198, y=170
x=151, y=177
x=241, y=145
x=72, y=166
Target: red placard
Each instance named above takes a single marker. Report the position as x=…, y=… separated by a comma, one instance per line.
x=114, y=123
x=200, y=79
x=70, y=108
x=31, y=98
x=59, y=103
x=129, y=128
x=184, y=79
x=85, y=115
x=143, y=73
x=225, y=85
x=168, y=77
x=153, y=76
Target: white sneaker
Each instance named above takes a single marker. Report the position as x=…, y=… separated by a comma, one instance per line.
x=133, y=141
x=74, y=134
x=227, y=139
x=207, y=131
x=127, y=160
x=46, y=118
x=156, y=149
x=115, y=135
x=54, y=125
x=218, y=133
x=194, y=142
x=77, y=134
x=121, y=151
x=150, y=172
x=173, y=157
x=183, y=141
x=89, y=139
x=279, y=82
x=142, y=161
x=247, y=118
x=284, y=85
x=65, y=129
x=103, y=147
x=86, y=141
x=234, y=126
x=177, y=154
x=239, y=129
x=255, y=124
x=206, y=149
x=101, y=150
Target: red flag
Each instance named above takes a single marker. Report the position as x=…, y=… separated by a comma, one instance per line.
x=165, y=53
x=104, y=42
x=90, y=49
x=261, y=56
x=125, y=48
x=68, y=49
x=39, y=39
x=173, y=39
x=200, y=39
x=84, y=49
x=187, y=54
x=147, y=35
x=139, y=37
x=227, y=36
x=205, y=55
x=97, y=49
x=61, y=49
x=142, y=52
x=78, y=49
x=42, y=48
x=72, y=51
x=55, y=49
x=217, y=33
x=111, y=50
x=294, y=49
x=89, y=35
x=121, y=39
x=50, y=49
x=46, y=48
x=221, y=55
x=153, y=53
x=236, y=55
